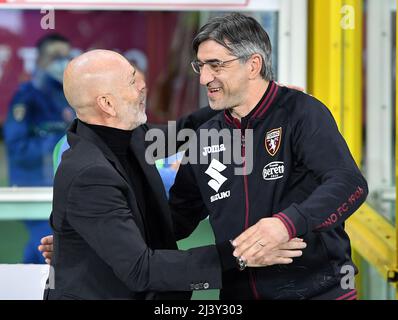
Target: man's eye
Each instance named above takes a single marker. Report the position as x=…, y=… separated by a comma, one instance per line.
x=214, y=64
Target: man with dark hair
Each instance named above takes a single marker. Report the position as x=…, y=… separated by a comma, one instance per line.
x=42, y=43
x=37, y=118
x=52, y=48
x=304, y=181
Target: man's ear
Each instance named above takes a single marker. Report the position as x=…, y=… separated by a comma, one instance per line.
x=107, y=104
x=255, y=65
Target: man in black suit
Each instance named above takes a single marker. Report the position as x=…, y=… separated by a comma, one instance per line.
x=113, y=233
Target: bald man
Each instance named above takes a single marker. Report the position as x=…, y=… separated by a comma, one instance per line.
x=112, y=230
x=113, y=234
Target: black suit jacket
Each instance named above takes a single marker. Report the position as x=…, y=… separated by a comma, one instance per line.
x=101, y=250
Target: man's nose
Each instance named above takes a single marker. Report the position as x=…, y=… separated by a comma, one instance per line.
x=141, y=85
x=206, y=75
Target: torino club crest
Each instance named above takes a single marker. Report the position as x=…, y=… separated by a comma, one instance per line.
x=273, y=141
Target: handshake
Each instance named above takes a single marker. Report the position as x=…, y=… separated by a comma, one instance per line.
x=264, y=244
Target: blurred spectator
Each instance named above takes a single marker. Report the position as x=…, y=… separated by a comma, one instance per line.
x=37, y=118
x=168, y=170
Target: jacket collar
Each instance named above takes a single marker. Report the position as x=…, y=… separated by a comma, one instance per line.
x=137, y=146
x=259, y=111
x=77, y=129
x=163, y=216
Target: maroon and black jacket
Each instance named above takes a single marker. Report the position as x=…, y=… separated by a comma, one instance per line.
x=303, y=174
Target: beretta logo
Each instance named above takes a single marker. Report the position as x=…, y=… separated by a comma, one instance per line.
x=274, y=170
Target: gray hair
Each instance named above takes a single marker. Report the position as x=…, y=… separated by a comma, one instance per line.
x=242, y=36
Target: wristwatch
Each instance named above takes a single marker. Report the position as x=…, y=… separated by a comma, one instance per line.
x=241, y=263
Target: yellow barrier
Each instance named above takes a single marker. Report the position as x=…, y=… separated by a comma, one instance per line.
x=396, y=151
x=335, y=77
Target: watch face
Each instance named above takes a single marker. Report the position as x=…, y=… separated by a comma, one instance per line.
x=241, y=263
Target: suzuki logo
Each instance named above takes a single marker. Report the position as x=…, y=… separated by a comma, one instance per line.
x=213, y=171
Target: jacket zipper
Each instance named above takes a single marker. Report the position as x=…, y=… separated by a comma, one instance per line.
x=245, y=183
